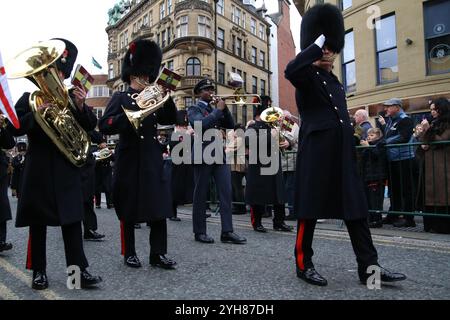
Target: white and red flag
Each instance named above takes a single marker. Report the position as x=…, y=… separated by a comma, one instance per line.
x=6, y=105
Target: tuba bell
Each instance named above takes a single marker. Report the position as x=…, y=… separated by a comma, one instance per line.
x=37, y=64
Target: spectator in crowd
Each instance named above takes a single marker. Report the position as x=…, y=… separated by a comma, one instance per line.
x=402, y=170
x=235, y=151
x=374, y=173
x=437, y=168
x=18, y=164
x=362, y=120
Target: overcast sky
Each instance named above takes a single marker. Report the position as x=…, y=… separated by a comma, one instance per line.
x=83, y=22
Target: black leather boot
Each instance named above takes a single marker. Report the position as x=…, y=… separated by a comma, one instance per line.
x=160, y=261
x=311, y=276
x=88, y=280
x=40, y=280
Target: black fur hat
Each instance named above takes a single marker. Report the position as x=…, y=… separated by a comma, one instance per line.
x=143, y=58
x=266, y=101
x=323, y=19
x=66, y=62
x=182, y=119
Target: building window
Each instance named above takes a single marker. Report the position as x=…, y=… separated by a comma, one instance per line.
x=345, y=4
x=204, y=27
x=233, y=40
x=182, y=26
x=245, y=81
x=263, y=87
x=169, y=38
x=234, y=113
x=111, y=71
x=220, y=7
x=239, y=47
x=253, y=26
x=387, y=50
x=135, y=27
x=220, y=38
x=221, y=73
x=188, y=102
x=261, y=32
x=437, y=36
x=348, y=63
x=163, y=39
x=254, y=85
x=193, y=67
x=244, y=114
x=244, y=18
x=254, y=50
x=236, y=15
x=169, y=6
x=145, y=21
x=170, y=65
x=262, y=59
x=162, y=11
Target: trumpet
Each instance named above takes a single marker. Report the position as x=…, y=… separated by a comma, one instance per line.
x=238, y=99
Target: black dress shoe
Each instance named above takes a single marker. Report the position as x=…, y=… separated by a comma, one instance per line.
x=133, y=262
x=376, y=224
x=231, y=237
x=260, y=229
x=93, y=236
x=5, y=246
x=98, y=207
x=403, y=223
x=204, y=238
x=176, y=219
x=311, y=276
x=88, y=280
x=160, y=261
x=282, y=227
x=40, y=280
x=385, y=275
x=208, y=215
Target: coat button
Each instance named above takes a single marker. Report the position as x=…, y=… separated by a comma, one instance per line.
x=133, y=103
x=336, y=108
x=342, y=121
x=318, y=73
x=331, y=96
x=325, y=83
x=142, y=137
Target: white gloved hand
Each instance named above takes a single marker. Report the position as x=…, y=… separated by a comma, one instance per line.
x=320, y=41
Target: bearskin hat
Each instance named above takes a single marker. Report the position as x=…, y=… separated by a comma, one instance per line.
x=66, y=62
x=266, y=101
x=323, y=19
x=143, y=58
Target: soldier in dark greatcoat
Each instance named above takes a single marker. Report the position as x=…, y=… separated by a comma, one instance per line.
x=51, y=193
x=262, y=189
x=182, y=175
x=103, y=177
x=141, y=192
x=89, y=180
x=18, y=164
x=6, y=142
x=327, y=182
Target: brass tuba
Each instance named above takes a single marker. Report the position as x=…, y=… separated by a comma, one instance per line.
x=149, y=100
x=37, y=64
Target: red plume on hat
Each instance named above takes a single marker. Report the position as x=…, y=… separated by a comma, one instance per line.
x=132, y=49
x=143, y=58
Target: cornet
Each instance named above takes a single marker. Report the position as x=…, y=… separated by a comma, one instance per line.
x=238, y=98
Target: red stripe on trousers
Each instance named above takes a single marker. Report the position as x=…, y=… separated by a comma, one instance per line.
x=252, y=216
x=299, y=246
x=29, y=260
x=122, y=237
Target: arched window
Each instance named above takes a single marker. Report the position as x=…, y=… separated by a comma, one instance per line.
x=193, y=67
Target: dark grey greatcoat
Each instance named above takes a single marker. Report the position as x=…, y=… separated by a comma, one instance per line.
x=141, y=191
x=263, y=189
x=51, y=192
x=6, y=142
x=327, y=181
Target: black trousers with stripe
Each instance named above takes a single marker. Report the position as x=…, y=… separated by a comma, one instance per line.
x=361, y=239
x=158, y=238
x=73, y=246
x=257, y=212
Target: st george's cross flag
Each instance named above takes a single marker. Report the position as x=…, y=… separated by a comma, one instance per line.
x=6, y=105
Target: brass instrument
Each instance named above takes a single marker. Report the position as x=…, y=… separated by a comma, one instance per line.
x=51, y=104
x=103, y=154
x=150, y=100
x=238, y=98
x=274, y=117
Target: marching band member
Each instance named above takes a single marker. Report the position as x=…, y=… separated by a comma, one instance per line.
x=6, y=142
x=262, y=190
x=51, y=194
x=103, y=176
x=18, y=164
x=141, y=192
x=327, y=182
x=209, y=118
